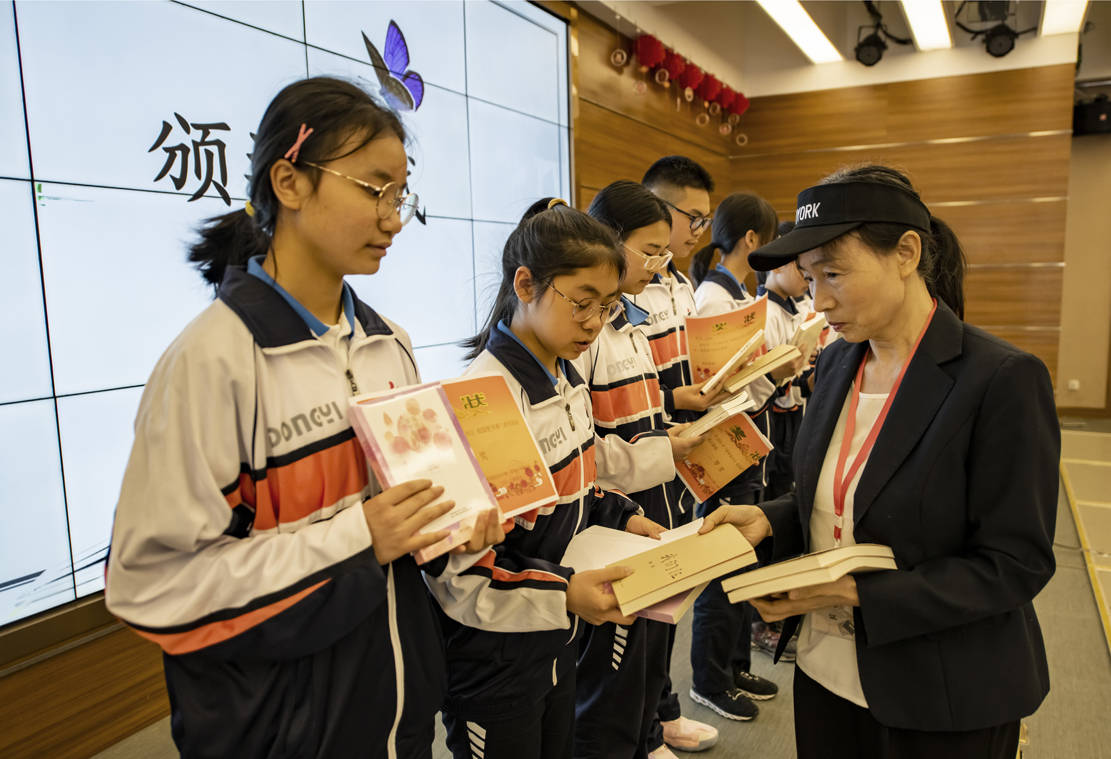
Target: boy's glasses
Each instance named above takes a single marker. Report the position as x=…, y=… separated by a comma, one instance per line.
x=583, y=313
x=391, y=198
x=652, y=264
x=698, y=222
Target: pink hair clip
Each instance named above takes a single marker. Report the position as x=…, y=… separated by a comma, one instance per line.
x=302, y=135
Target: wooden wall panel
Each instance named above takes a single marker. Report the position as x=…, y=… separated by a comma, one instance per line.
x=1003, y=168
x=81, y=701
x=1016, y=231
x=976, y=105
x=1014, y=297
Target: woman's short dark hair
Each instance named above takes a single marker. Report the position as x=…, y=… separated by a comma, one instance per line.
x=942, y=264
x=625, y=206
x=551, y=240
x=735, y=215
x=337, y=111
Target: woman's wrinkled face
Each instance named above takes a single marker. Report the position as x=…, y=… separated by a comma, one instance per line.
x=858, y=290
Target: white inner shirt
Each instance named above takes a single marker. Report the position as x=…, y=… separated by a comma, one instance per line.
x=827, y=644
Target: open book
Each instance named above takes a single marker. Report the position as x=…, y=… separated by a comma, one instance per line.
x=780, y=355
x=811, y=569
x=713, y=341
x=715, y=415
x=469, y=436
x=736, y=361
x=668, y=574
x=728, y=449
x=808, y=334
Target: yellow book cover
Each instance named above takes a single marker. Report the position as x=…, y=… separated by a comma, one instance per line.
x=502, y=443
x=727, y=450
x=673, y=567
x=713, y=340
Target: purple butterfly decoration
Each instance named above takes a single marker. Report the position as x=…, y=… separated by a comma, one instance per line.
x=402, y=88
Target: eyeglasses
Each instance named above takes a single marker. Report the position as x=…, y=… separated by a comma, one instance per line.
x=652, y=263
x=698, y=222
x=582, y=313
x=391, y=198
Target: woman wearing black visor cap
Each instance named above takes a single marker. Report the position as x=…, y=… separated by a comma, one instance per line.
x=930, y=436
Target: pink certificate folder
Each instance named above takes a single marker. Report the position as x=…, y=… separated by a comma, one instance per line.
x=411, y=434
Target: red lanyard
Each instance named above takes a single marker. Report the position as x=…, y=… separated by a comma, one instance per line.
x=841, y=479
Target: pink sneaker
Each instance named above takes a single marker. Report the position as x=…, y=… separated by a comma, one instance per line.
x=688, y=735
x=663, y=752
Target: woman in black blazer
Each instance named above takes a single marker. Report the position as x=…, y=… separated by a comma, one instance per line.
x=955, y=439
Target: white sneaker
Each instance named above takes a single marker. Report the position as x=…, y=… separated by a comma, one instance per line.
x=689, y=735
x=663, y=752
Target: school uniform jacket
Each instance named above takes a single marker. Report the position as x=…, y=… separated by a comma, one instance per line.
x=669, y=300
x=962, y=484
x=240, y=545
x=628, y=414
x=784, y=317
x=519, y=586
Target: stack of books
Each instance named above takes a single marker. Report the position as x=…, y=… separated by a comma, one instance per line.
x=811, y=569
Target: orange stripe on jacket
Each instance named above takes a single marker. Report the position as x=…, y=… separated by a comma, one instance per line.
x=503, y=575
x=625, y=401
x=225, y=629
x=668, y=348
x=292, y=492
x=567, y=480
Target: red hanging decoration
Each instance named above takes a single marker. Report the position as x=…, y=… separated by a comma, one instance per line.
x=740, y=105
x=674, y=64
x=726, y=97
x=709, y=89
x=691, y=76
x=650, y=52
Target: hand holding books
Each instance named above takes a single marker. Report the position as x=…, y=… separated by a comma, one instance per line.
x=590, y=596
x=396, y=515
x=690, y=397
x=750, y=520
x=840, y=592
x=682, y=441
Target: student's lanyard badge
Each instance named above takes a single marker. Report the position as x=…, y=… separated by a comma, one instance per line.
x=842, y=479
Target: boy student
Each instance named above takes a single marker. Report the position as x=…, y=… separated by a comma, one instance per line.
x=684, y=187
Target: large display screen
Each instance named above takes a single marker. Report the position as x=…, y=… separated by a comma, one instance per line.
x=123, y=125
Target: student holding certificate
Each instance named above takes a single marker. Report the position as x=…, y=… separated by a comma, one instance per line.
x=932, y=437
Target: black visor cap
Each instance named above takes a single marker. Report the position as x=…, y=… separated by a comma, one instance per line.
x=827, y=211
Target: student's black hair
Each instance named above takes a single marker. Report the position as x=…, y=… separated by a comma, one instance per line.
x=625, y=206
x=336, y=111
x=734, y=216
x=942, y=264
x=550, y=242
x=677, y=171
x=783, y=228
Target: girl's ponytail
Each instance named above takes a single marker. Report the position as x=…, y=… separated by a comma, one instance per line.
x=228, y=240
x=700, y=263
x=947, y=266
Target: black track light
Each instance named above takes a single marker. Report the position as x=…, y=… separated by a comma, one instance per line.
x=1000, y=40
x=870, y=49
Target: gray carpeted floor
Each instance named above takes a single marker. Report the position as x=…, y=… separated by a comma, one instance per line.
x=1073, y=721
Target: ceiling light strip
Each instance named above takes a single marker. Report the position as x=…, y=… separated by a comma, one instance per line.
x=796, y=22
x=928, y=24
x=1062, y=16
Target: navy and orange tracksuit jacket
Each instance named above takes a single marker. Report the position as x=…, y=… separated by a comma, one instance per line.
x=241, y=548
x=519, y=586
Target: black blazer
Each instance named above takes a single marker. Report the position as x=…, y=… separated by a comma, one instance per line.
x=962, y=484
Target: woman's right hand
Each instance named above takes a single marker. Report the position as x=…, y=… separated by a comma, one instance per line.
x=396, y=515
x=689, y=398
x=750, y=520
x=590, y=596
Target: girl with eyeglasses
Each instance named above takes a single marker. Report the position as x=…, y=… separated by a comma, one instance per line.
x=251, y=542
x=623, y=669
x=515, y=616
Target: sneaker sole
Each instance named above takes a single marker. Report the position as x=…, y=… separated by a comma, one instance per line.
x=707, y=702
x=758, y=696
